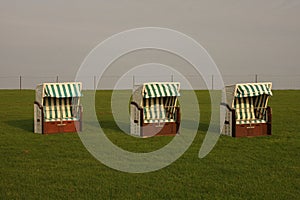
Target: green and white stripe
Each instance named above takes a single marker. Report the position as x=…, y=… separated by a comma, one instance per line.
x=159, y=109
x=152, y=90
x=261, y=105
x=154, y=109
x=244, y=108
x=170, y=106
x=251, y=121
x=253, y=89
x=59, y=109
x=62, y=90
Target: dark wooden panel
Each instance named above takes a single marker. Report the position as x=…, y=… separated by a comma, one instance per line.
x=61, y=127
x=151, y=129
x=250, y=130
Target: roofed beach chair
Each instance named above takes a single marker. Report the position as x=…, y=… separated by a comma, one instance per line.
x=57, y=108
x=155, y=110
x=248, y=113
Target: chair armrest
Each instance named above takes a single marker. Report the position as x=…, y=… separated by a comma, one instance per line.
x=227, y=106
x=136, y=105
x=38, y=104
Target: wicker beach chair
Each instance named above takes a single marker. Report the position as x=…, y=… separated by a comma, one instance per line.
x=57, y=108
x=155, y=109
x=248, y=113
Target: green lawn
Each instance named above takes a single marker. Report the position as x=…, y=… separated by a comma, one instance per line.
x=34, y=166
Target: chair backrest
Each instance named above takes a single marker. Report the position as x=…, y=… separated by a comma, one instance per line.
x=244, y=108
x=260, y=106
x=154, y=109
x=251, y=109
x=159, y=109
x=59, y=109
x=170, y=106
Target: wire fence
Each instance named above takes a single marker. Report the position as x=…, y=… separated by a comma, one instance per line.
x=281, y=82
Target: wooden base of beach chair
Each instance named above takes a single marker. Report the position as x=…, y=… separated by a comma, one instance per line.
x=159, y=129
x=61, y=127
x=251, y=130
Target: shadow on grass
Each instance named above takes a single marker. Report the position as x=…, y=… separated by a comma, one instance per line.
x=24, y=124
x=201, y=126
x=111, y=126
x=107, y=125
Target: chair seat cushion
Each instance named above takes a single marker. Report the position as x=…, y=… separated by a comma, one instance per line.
x=158, y=120
x=252, y=121
x=61, y=119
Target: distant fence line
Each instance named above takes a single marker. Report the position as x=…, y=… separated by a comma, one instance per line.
x=108, y=82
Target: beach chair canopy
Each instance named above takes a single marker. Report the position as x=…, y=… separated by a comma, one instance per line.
x=62, y=90
x=158, y=101
x=250, y=101
x=154, y=90
x=253, y=90
x=59, y=100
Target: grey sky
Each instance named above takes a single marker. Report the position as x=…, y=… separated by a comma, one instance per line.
x=49, y=38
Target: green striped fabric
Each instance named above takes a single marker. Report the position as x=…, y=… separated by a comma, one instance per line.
x=253, y=89
x=159, y=109
x=152, y=90
x=60, y=109
x=261, y=105
x=62, y=90
x=244, y=108
x=170, y=106
x=251, y=109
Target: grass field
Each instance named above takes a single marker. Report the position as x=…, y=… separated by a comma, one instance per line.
x=34, y=166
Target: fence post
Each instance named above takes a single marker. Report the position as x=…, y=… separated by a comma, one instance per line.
x=212, y=82
x=172, y=78
x=20, y=82
x=133, y=81
x=94, y=82
x=256, y=78
x=57, y=79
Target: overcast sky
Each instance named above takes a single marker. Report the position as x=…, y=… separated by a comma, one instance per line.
x=49, y=38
